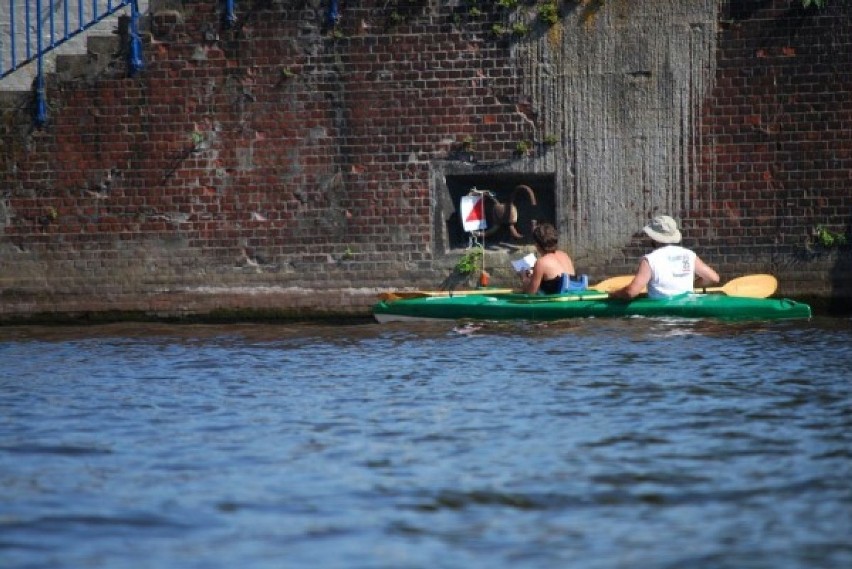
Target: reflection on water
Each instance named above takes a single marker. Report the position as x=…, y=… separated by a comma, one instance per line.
x=587, y=443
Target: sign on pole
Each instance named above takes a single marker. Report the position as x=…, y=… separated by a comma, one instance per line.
x=473, y=213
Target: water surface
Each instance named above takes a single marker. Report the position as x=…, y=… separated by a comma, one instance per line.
x=604, y=444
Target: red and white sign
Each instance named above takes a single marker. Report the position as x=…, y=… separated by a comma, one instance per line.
x=473, y=213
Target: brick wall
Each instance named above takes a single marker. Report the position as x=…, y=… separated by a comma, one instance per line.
x=778, y=154
x=247, y=167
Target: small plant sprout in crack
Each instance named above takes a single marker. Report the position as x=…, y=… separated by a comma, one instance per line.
x=197, y=139
x=524, y=147
x=828, y=238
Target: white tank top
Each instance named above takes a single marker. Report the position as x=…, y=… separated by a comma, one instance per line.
x=672, y=271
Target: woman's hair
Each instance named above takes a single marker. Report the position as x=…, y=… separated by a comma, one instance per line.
x=546, y=237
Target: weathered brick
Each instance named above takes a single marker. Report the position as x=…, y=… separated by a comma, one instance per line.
x=275, y=110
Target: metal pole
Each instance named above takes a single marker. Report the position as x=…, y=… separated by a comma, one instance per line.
x=40, y=101
x=230, y=15
x=135, y=61
x=12, y=33
x=333, y=13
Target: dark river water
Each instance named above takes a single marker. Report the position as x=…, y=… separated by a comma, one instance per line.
x=600, y=444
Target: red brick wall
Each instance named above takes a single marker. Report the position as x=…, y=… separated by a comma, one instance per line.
x=779, y=150
x=280, y=153
x=272, y=153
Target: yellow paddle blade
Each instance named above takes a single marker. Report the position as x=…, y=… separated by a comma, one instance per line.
x=613, y=283
x=752, y=286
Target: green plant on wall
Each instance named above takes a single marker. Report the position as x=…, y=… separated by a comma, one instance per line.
x=469, y=262
x=549, y=13
x=520, y=29
x=523, y=12
x=817, y=3
x=828, y=238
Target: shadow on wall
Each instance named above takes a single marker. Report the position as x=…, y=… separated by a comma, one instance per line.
x=744, y=9
x=841, y=276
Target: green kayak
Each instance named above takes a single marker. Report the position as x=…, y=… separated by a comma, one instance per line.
x=501, y=306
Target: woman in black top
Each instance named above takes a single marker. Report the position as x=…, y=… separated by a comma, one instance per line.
x=547, y=274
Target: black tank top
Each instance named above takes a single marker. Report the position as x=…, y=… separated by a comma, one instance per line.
x=551, y=286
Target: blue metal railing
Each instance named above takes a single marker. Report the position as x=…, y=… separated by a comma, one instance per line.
x=39, y=35
x=39, y=21
x=38, y=18
x=230, y=16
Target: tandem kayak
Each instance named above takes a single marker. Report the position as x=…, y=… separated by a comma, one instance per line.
x=499, y=306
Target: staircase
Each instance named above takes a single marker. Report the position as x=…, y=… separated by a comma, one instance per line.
x=83, y=54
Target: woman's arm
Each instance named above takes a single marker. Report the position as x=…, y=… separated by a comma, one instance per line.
x=532, y=280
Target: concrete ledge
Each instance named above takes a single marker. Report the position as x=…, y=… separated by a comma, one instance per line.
x=199, y=304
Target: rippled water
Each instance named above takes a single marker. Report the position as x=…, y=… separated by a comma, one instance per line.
x=594, y=444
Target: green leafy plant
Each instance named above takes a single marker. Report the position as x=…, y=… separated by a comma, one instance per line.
x=817, y=3
x=197, y=141
x=520, y=29
x=828, y=238
x=549, y=13
x=469, y=262
x=508, y=4
x=550, y=140
x=524, y=147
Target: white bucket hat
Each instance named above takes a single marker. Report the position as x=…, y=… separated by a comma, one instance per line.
x=663, y=229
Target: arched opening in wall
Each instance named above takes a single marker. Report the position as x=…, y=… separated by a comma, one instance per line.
x=514, y=203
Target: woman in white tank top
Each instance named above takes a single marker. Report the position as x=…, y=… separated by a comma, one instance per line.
x=670, y=269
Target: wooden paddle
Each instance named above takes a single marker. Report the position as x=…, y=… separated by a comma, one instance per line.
x=559, y=298
x=752, y=286
x=613, y=283
x=608, y=285
x=404, y=294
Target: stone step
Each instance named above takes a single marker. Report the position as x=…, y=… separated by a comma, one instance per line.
x=100, y=40
x=101, y=50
